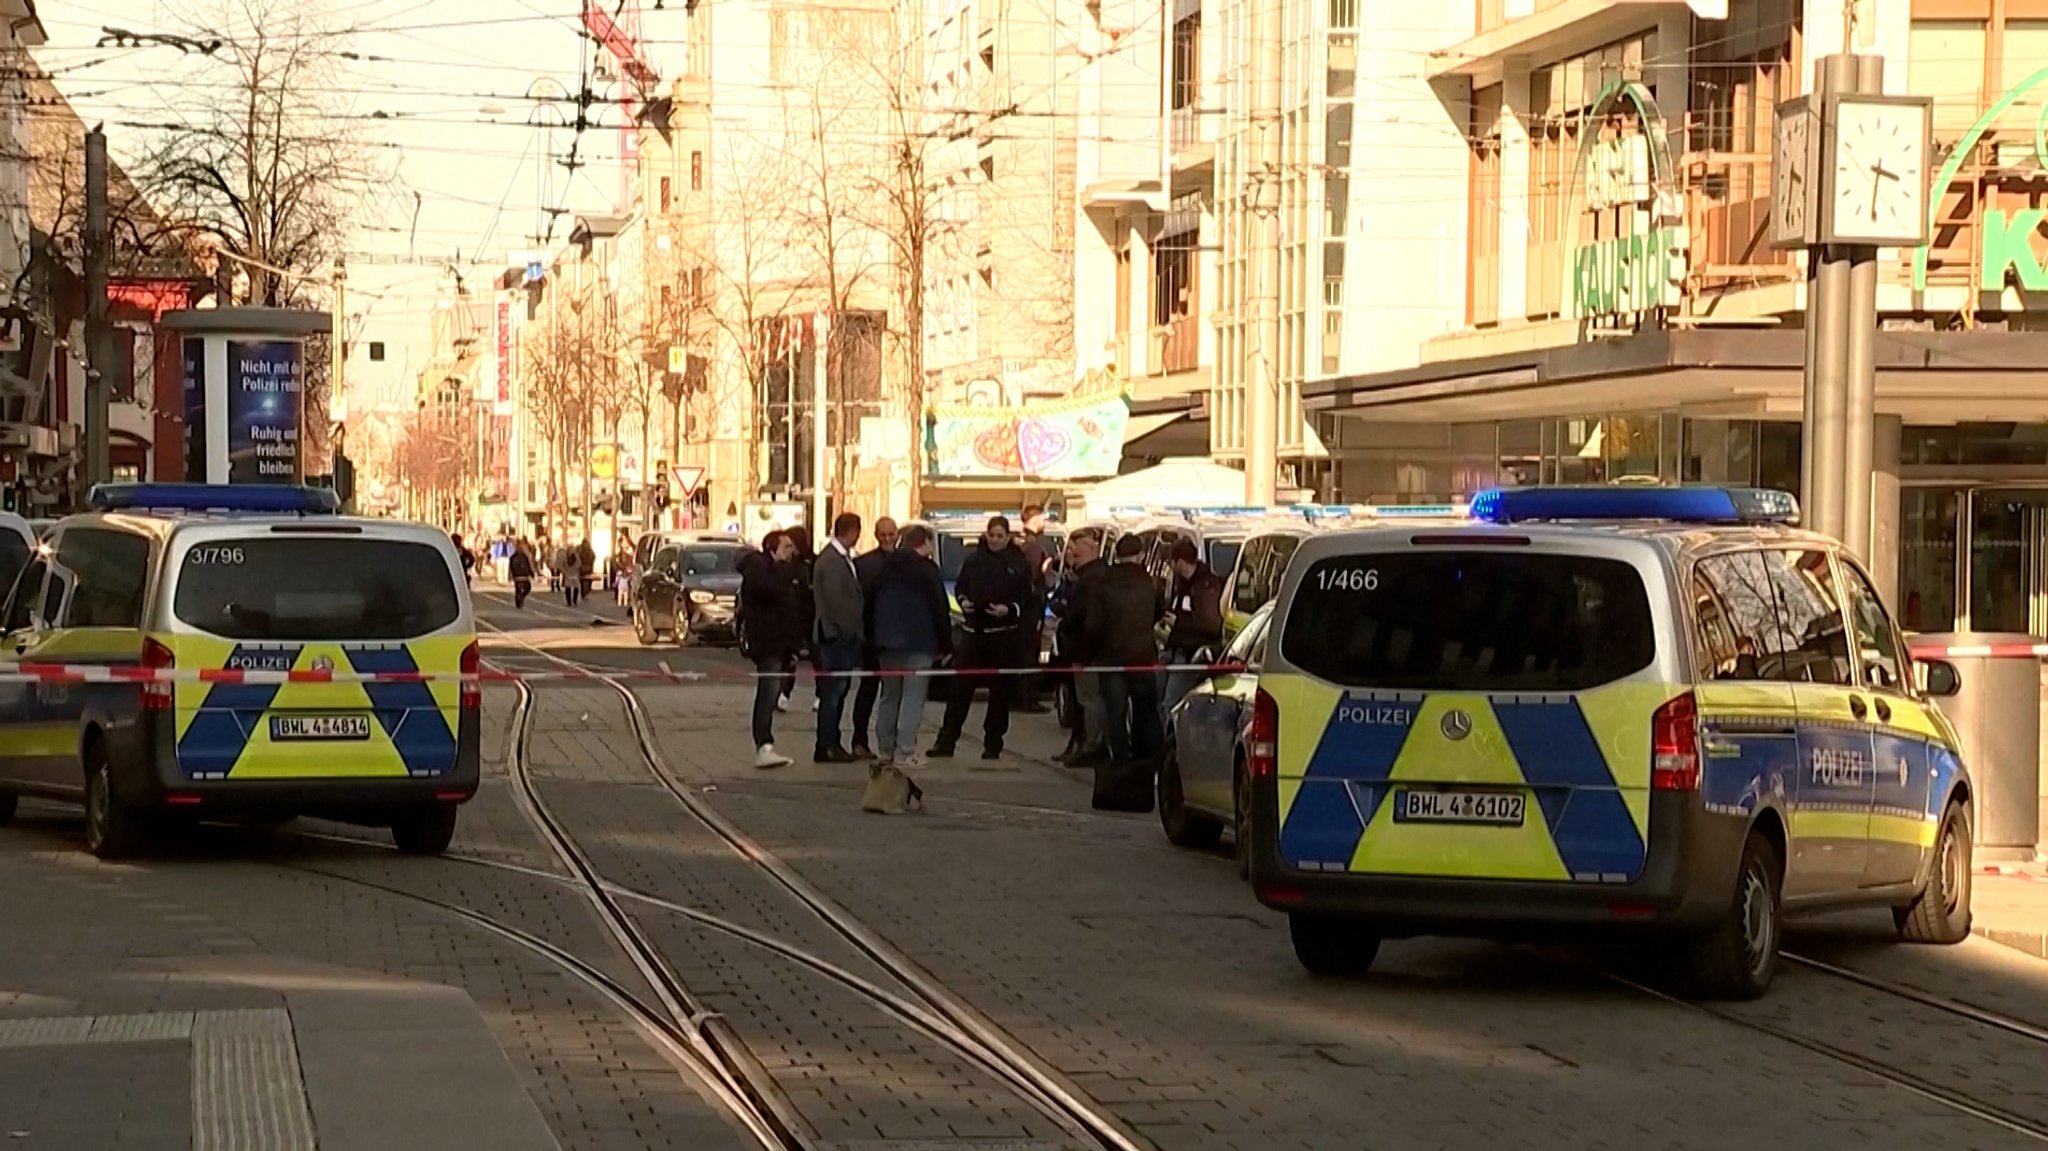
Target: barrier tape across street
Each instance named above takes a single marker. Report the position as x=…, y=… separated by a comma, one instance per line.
x=1981, y=651
x=126, y=674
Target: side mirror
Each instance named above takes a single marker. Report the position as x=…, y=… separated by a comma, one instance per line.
x=1938, y=677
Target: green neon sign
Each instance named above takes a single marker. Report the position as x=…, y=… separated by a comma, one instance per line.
x=2007, y=238
x=1622, y=275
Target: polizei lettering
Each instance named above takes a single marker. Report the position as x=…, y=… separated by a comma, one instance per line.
x=1831, y=768
x=1375, y=715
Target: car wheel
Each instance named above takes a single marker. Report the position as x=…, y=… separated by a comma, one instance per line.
x=1329, y=945
x=113, y=830
x=1738, y=957
x=426, y=830
x=1941, y=914
x=1241, y=809
x=681, y=632
x=8, y=802
x=643, y=627
x=1184, y=828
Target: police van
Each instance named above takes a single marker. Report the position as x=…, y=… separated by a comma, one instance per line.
x=219, y=580
x=1653, y=709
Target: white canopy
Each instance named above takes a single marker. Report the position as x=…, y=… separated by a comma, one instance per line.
x=1185, y=482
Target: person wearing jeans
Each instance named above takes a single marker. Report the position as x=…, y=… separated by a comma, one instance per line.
x=910, y=627
x=868, y=566
x=773, y=636
x=841, y=616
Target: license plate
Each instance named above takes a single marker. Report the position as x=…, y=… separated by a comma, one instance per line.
x=1492, y=808
x=319, y=727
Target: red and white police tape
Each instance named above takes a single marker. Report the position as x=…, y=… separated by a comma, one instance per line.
x=1979, y=650
x=123, y=673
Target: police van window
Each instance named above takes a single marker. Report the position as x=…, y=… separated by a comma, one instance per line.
x=1275, y=568
x=1223, y=556
x=14, y=552
x=109, y=568
x=1736, y=619
x=26, y=597
x=1879, y=648
x=279, y=588
x=1816, y=635
x=1470, y=621
x=1244, y=594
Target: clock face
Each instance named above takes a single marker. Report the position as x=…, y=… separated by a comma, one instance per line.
x=1789, y=176
x=1879, y=173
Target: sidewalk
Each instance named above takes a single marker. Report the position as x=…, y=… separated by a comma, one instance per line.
x=2011, y=907
x=130, y=1018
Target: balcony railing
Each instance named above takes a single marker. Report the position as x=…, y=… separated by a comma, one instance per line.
x=1187, y=129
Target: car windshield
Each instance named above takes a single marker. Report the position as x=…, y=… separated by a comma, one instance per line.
x=277, y=588
x=1223, y=555
x=953, y=553
x=710, y=560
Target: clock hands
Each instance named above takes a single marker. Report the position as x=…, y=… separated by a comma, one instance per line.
x=1878, y=174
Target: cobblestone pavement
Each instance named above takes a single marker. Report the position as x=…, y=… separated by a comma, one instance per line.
x=1145, y=975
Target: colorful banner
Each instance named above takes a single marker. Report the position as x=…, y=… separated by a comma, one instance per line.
x=264, y=378
x=501, y=339
x=1072, y=439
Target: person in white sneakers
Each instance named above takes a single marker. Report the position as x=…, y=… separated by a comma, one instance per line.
x=771, y=599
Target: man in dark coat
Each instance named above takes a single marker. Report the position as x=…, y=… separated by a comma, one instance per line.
x=1197, y=610
x=1122, y=623
x=1080, y=593
x=910, y=628
x=994, y=593
x=800, y=561
x=773, y=637
x=869, y=567
x=841, y=633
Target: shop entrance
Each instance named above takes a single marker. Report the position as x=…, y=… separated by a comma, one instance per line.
x=1974, y=558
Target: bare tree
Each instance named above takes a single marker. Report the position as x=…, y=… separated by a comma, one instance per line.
x=756, y=284
x=270, y=172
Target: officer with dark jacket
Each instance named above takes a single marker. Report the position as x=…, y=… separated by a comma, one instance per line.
x=1197, y=610
x=1123, y=615
x=996, y=600
x=773, y=607
x=868, y=566
x=1078, y=589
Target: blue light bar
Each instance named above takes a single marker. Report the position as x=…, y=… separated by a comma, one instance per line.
x=273, y=498
x=1400, y=511
x=1701, y=505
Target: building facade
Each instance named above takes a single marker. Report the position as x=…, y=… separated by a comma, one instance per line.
x=1624, y=316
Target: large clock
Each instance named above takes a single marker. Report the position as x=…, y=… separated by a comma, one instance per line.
x=1794, y=140
x=1875, y=156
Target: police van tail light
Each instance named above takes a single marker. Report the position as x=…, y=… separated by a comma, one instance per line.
x=472, y=687
x=1675, y=746
x=157, y=695
x=1263, y=748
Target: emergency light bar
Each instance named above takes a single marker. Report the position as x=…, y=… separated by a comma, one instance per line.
x=1414, y=511
x=280, y=499
x=1692, y=504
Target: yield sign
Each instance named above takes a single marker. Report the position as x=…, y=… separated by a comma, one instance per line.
x=687, y=480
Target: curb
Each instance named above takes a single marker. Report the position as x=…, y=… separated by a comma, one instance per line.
x=2034, y=943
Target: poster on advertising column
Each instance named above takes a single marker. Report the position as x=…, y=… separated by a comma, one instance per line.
x=264, y=381
x=195, y=409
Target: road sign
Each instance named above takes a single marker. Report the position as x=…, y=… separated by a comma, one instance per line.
x=687, y=480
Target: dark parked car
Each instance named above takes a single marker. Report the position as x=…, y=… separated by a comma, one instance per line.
x=689, y=590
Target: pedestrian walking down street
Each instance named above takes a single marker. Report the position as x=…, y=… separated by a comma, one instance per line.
x=1081, y=593
x=466, y=557
x=622, y=570
x=569, y=570
x=1037, y=553
x=586, y=568
x=993, y=591
x=910, y=629
x=803, y=560
x=869, y=566
x=1122, y=623
x=774, y=613
x=840, y=634
x=520, y=568
x=1196, y=608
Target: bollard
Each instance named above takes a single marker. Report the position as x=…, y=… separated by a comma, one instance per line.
x=1997, y=715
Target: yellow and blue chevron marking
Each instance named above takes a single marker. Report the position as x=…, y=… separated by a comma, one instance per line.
x=1582, y=760
x=223, y=729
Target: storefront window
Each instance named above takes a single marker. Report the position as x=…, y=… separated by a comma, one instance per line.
x=1927, y=559
x=1718, y=452
x=1977, y=445
x=1521, y=453
x=1634, y=447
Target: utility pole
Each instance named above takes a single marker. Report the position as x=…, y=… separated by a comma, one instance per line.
x=822, y=326
x=1860, y=394
x=1827, y=369
x=99, y=363
x=1262, y=420
x=337, y=366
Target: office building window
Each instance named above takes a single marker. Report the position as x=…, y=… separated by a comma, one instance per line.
x=696, y=171
x=666, y=193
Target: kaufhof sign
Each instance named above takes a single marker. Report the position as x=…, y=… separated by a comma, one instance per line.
x=1624, y=171
x=2010, y=249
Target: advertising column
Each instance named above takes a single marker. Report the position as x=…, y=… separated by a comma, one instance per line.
x=265, y=381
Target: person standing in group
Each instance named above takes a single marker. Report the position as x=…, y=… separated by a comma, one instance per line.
x=586, y=568
x=841, y=633
x=466, y=557
x=1081, y=592
x=569, y=569
x=622, y=569
x=520, y=568
x=909, y=629
x=1037, y=553
x=1122, y=625
x=994, y=591
x=801, y=564
x=772, y=639
x=869, y=566
x=1197, y=608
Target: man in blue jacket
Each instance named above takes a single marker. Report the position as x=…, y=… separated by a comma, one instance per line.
x=910, y=628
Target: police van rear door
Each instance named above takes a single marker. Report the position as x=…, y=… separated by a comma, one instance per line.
x=1472, y=703
x=316, y=596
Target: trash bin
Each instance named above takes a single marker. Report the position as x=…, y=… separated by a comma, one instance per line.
x=1998, y=716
